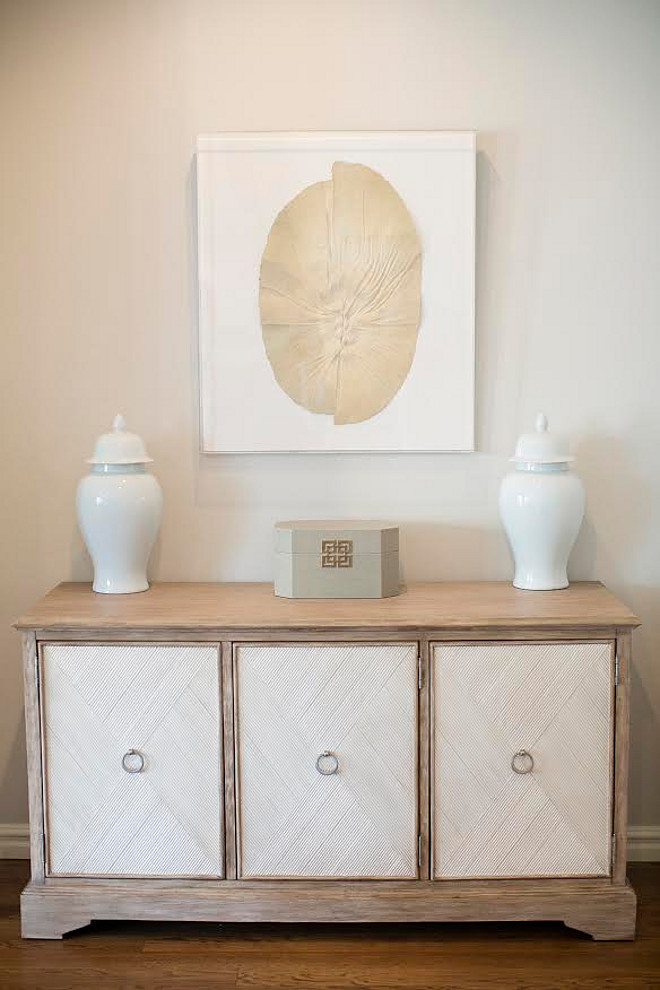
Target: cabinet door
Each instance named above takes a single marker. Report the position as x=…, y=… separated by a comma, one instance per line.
x=545, y=711
x=351, y=812
x=157, y=811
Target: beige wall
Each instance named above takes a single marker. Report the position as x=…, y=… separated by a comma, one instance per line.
x=100, y=103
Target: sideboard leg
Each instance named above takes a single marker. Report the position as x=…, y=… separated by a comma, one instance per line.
x=43, y=917
x=613, y=920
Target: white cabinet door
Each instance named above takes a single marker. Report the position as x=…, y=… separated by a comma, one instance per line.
x=358, y=704
x=552, y=705
x=100, y=701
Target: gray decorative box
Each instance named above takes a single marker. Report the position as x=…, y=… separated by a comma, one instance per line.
x=337, y=558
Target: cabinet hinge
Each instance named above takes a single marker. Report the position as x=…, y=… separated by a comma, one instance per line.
x=613, y=847
x=419, y=849
x=419, y=671
x=616, y=669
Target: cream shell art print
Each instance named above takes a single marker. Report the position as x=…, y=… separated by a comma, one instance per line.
x=340, y=294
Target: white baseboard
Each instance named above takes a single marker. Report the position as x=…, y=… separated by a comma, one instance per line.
x=643, y=842
x=14, y=841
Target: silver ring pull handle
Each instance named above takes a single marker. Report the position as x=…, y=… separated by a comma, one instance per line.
x=522, y=762
x=327, y=763
x=133, y=761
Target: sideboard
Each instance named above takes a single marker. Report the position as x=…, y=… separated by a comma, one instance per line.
x=210, y=752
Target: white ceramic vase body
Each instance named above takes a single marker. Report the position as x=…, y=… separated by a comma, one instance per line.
x=119, y=511
x=542, y=508
x=541, y=505
x=119, y=508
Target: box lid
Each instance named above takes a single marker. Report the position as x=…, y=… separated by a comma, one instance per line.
x=306, y=535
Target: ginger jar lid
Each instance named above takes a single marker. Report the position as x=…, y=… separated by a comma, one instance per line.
x=119, y=446
x=541, y=447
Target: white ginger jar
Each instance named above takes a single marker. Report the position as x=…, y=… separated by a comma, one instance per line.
x=541, y=505
x=119, y=509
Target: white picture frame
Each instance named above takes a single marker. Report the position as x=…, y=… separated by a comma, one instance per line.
x=243, y=182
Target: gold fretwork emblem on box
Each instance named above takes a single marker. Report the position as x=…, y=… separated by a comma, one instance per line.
x=336, y=553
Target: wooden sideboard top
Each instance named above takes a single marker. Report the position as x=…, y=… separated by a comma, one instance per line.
x=246, y=606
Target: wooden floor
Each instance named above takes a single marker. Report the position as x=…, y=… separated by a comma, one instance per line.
x=374, y=957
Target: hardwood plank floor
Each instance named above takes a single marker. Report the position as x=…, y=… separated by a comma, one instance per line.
x=324, y=957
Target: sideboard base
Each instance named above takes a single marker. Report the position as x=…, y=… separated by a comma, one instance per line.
x=599, y=908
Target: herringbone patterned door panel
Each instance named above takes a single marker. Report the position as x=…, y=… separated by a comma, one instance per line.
x=99, y=701
x=360, y=703
x=553, y=701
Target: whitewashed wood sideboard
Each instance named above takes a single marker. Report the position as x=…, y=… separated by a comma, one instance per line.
x=209, y=752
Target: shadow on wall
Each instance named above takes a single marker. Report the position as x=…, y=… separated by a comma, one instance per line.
x=486, y=187
x=617, y=513
x=15, y=770
x=612, y=543
x=645, y=705
x=431, y=552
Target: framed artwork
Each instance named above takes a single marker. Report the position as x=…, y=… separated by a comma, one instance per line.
x=336, y=286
